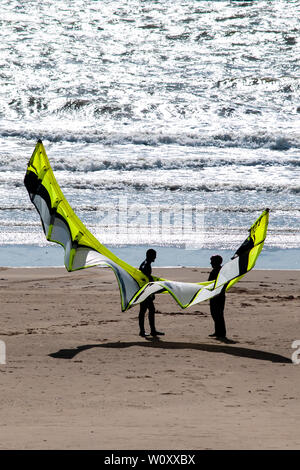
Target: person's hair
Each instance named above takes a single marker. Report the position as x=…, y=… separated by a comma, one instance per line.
x=150, y=252
x=217, y=259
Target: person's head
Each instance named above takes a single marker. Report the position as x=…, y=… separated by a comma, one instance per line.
x=151, y=255
x=216, y=261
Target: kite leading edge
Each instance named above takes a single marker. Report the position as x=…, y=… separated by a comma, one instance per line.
x=82, y=250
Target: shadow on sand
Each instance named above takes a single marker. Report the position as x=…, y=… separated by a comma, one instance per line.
x=156, y=343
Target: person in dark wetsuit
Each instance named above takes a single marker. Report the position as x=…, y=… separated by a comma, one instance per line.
x=148, y=304
x=217, y=303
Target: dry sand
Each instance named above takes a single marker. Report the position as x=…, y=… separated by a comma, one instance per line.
x=78, y=376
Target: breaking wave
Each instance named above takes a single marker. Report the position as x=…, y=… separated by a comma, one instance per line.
x=219, y=140
x=124, y=184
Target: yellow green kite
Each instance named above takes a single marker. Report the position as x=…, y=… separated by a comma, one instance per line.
x=82, y=250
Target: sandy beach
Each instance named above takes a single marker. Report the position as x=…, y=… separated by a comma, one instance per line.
x=78, y=376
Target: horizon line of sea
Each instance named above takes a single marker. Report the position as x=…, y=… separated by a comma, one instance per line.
x=34, y=256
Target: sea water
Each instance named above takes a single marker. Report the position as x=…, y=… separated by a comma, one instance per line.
x=169, y=124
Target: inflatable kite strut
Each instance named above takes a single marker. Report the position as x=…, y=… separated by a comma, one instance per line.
x=83, y=250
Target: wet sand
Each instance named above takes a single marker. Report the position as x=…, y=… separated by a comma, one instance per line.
x=78, y=376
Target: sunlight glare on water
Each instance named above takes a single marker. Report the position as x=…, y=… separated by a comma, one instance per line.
x=164, y=102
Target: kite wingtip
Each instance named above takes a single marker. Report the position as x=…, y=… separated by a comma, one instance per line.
x=39, y=141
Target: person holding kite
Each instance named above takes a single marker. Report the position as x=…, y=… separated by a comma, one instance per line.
x=217, y=303
x=148, y=304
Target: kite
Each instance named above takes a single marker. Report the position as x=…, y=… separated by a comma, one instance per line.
x=82, y=250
